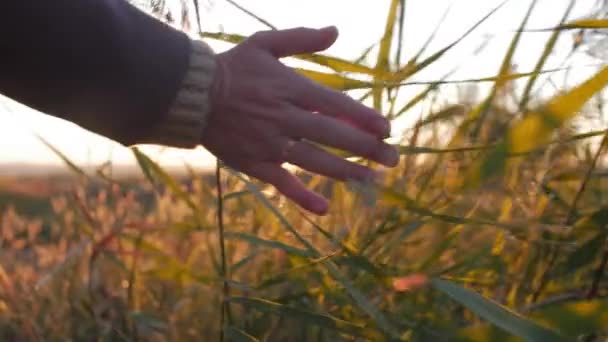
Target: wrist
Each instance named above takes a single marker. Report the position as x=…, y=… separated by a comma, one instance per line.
x=187, y=118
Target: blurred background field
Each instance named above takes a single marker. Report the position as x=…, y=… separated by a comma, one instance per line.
x=492, y=228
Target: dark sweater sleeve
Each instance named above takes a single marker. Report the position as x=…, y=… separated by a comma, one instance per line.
x=102, y=64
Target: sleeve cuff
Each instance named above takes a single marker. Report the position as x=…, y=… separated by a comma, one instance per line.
x=186, y=120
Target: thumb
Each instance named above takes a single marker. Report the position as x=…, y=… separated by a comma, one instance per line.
x=295, y=41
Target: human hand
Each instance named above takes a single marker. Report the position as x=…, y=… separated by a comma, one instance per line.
x=264, y=114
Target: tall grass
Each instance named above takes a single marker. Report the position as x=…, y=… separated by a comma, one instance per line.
x=492, y=227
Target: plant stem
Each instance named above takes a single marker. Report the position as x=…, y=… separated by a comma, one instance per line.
x=570, y=218
x=599, y=274
x=225, y=307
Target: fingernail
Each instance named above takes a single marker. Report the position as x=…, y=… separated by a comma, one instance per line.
x=389, y=157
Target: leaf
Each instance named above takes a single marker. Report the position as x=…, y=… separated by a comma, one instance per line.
x=148, y=321
x=382, y=63
x=268, y=243
x=235, y=195
x=338, y=64
x=549, y=46
x=358, y=297
x=585, y=254
x=334, y=81
x=446, y=113
x=334, y=63
x=399, y=237
x=226, y=37
x=71, y=165
x=497, y=314
x=154, y=173
x=412, y=67
x=571, y=319
x=585, y=24
x=502, y=79
x=238, y=335
x=536, y=128
x=303, y=316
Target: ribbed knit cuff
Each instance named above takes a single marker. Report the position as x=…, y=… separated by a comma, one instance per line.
x=184, y=124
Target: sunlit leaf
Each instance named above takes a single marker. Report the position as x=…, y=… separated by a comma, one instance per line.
x=537, y=127
x=335, y=81
x=585, y=24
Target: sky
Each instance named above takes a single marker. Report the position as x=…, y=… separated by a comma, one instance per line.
x=361, y=24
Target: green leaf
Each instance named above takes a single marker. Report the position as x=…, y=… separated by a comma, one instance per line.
x=334, y=81
x=585, y=254
x=358, y=297
x=497, y=314
x=303, y=316
x=238, y=335
x=537, y=127
x=412, y=67
x=70, y=164
x=571, y=319
x=338, y=64
x=549, y=47
x=334, y=63
x=585, y=24
x=252, y=239
x=382, y=63
x=155, y=173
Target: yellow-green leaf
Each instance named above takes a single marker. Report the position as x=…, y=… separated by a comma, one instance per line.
x=334, y=81
x=536, y=128
x=585, y=24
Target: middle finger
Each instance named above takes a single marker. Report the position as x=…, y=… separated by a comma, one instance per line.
x=335, y=133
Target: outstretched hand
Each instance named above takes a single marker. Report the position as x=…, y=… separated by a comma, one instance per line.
x=264, y=114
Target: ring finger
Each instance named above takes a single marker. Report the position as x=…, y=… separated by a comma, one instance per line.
x=316, y=160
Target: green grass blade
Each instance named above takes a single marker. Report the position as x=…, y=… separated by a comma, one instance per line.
x=549, y=47
x=357, y=296
x=70, y=164
x=411, y=69
x=503, y=74
x=254, y=240
x=497, y=314
x=337, y=64
x=537, y=127
x=303, y=316
x=155, y=173
x=238, y=335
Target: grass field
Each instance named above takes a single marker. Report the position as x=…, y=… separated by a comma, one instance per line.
x=492, y=228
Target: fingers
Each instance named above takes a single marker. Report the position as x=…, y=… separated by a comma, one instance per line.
x=288, y=185
x=319, y=98
x=295, y=41
x=332, y=132
x=316, y=160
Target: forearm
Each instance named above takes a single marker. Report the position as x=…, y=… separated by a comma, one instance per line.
x=101, y=64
